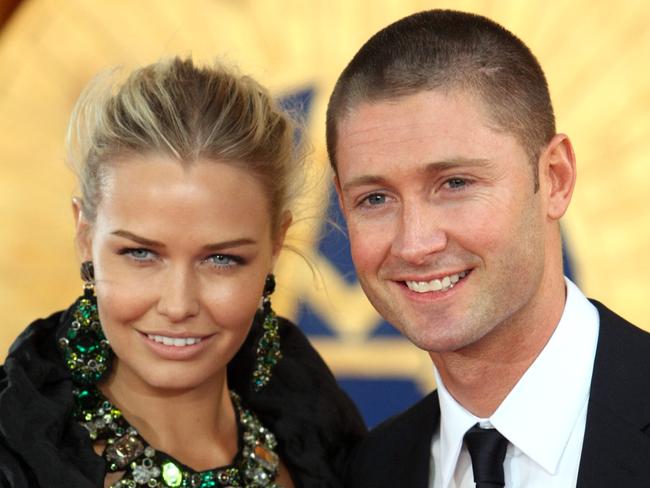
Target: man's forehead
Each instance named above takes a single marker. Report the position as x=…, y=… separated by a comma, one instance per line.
x=427, y=131
x=388, y=121
x=382, y=122
x=369, y=113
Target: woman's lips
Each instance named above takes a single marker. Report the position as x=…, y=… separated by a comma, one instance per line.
x=176, y=348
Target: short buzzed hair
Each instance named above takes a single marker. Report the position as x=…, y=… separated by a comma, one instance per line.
x=446, y=49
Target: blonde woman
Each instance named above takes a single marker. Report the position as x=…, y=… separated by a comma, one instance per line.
x=172, y=368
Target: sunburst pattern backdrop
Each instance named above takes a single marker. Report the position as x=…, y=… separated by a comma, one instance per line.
x=595, y=57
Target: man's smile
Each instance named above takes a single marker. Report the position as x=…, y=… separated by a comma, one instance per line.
x=438, y=284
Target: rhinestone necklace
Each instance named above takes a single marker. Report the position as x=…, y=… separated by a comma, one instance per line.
x=255, y=465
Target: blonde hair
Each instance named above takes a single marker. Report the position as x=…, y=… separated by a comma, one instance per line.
x=189, y=113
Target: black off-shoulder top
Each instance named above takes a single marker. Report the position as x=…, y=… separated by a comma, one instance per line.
x=41, y=446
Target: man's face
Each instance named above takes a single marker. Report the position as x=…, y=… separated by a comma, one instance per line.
x=447, y=234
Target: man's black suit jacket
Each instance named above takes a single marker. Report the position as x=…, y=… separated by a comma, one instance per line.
x=616, y=448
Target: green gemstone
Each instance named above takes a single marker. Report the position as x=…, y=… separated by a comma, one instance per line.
x=83, y=396
x=208, y=480
x=171, y=474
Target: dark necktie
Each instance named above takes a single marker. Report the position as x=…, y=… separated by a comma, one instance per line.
x=487, y=448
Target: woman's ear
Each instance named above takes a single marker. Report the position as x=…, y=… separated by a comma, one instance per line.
x=558, y=172
x=280, y=234
x=83, y=239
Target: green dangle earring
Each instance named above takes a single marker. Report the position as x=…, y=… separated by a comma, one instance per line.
x=85, y=349
x=268, y=351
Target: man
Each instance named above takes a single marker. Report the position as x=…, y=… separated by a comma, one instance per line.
x=452, y=180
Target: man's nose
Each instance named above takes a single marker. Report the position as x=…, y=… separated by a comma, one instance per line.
x=420, y=233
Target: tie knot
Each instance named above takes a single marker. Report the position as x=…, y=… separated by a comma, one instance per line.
x=487, y=448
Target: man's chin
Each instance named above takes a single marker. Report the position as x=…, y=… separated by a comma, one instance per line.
x=439, y=339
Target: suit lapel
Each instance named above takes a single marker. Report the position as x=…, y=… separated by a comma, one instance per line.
x=616, y=447
x=422, y=448
x=398, y=452
x=412, y=445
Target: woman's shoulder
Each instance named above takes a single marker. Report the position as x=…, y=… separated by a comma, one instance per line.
x=33, y=361
x=39, y=445
x=33, y=351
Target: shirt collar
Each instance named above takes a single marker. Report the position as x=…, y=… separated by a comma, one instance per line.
x=539, y=414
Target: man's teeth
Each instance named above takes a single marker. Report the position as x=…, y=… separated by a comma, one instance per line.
x=443, y=284
x=174, y=341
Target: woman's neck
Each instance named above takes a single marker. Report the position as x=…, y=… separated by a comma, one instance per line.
x=196, y=426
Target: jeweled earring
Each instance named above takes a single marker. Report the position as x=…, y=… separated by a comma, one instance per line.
x=268, y=351
x=85, y=349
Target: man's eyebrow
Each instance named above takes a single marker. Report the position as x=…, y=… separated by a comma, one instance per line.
x=217, y=246
x=361, y=181
x=458, y=162
x=432, y=167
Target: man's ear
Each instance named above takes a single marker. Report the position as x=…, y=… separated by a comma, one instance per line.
x=281, y=233
x=82, y=231
x=558, y=175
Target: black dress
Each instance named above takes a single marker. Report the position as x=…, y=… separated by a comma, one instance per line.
x=41, y=446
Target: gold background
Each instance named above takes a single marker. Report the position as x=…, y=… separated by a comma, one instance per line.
x=595, y=56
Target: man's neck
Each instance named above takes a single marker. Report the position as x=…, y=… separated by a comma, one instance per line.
x=480, y=376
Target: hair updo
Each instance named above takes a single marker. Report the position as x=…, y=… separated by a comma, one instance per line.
x=189, y=113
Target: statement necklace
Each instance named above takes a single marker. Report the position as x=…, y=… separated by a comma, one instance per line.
x=255, y=465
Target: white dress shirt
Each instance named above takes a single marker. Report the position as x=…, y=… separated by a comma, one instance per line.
x=543, y=416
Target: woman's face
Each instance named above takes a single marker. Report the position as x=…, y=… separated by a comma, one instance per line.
x=180, y=254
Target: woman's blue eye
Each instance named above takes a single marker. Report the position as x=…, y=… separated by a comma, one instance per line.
x=223, y=260
x=139, y=254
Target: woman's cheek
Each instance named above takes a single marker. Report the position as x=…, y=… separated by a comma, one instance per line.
x=233, y=306
x=122, y=305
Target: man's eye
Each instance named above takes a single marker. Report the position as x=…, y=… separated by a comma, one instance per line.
x=455, y=183
x=376, y=199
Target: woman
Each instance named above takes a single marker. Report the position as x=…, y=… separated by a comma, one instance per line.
x=155, y=376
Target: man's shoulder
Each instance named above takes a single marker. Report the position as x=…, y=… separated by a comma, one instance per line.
x=620, y=339
x=617, y=434
x=397, y=452
x=620, y=381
